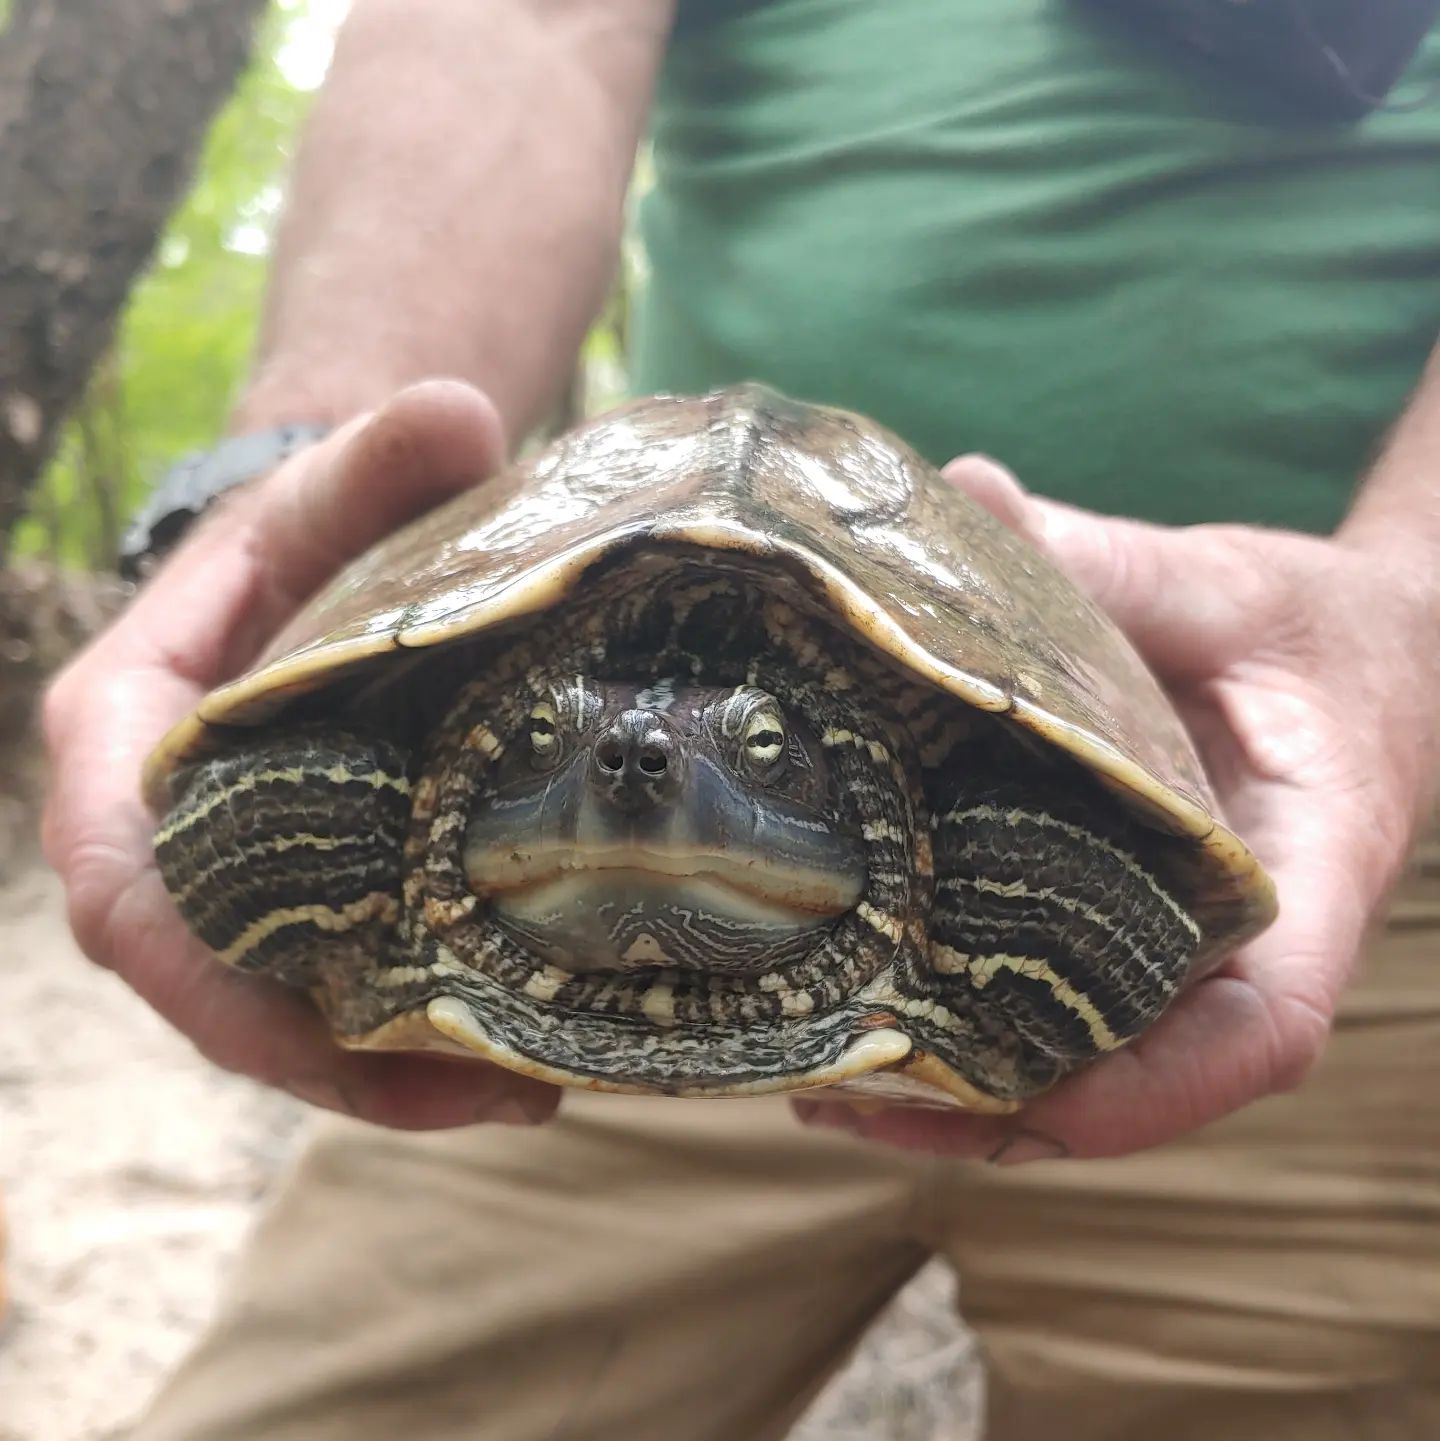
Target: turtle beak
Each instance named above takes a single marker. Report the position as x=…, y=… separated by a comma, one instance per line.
x=636, y=766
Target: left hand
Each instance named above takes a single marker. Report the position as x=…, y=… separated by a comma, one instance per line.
x=1307, y=672
x=231, y=584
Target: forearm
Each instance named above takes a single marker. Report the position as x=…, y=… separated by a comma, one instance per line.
x=1396, y=513
x=456, y=204
x=1395, y=524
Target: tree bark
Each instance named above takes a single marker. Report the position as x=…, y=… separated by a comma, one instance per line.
x=103, y=106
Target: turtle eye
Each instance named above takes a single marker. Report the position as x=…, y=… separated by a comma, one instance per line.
x=763, y=742
x=544, y=733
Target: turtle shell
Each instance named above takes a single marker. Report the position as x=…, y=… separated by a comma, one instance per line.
x=844, y=510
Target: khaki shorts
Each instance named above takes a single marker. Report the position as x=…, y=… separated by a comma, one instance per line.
x=658, y=1271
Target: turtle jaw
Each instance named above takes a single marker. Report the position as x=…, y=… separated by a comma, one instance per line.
x=709, y=874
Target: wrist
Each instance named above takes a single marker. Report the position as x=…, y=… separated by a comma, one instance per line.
x=1397, y=610
x=192, y=486
x=283, y=394
x=1394, y=519
x=1403, y=563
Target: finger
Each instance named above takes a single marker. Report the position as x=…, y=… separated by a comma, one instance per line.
x=1218, y=1051
x=250, y=565
x=123, y=919
x=429, y=442
x=99, y=725
x=1161, y=1086
x=996, y=488
x=1190, y=599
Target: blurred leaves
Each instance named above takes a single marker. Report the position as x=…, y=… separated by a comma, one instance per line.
x=188, y=328
x=187, y=332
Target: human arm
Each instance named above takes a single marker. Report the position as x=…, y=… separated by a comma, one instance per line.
x=392, y=266
x=1308, y=671
x=457, y=203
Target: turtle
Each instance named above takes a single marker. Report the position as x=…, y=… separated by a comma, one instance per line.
x=721, y=747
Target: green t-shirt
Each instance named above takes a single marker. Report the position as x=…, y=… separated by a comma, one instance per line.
x=1004, y=225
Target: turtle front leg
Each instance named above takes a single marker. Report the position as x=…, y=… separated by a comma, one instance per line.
x=1053, y=929
x=284, y=857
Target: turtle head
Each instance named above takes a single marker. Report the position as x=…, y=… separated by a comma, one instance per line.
x=641, y=825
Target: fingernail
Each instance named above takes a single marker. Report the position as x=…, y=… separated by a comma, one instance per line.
x=1022, y=1146
x=515, y=1111
x=830, y=1115
x=316, y=1091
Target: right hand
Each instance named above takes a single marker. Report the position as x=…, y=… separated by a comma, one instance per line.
x=203, y=617
x=1271, y=645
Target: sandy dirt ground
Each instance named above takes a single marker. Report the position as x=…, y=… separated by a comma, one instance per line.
x=130, y=1170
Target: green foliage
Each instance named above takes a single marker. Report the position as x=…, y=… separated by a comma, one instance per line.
x=188, y=328
x=184, y=340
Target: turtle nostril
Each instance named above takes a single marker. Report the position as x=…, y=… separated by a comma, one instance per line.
x=635, y=754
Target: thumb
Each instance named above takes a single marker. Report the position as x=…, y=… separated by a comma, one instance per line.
x=427, y=443
x=253, y=560
x=1186, y=597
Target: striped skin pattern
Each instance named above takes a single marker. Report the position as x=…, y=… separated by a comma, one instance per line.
x=694, y=940
x=1048, y=929
x=1012, y=923
x=1043, y=902
x=286, y=856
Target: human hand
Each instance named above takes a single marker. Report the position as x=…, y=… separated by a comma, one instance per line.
x=1307, y=672
x=203, y=617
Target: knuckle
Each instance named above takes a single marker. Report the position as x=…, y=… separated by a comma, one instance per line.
x=58, y=704
x=1302, y=1033
x=89, y=871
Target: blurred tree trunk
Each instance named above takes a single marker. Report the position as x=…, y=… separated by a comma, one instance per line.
x=103, y=106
